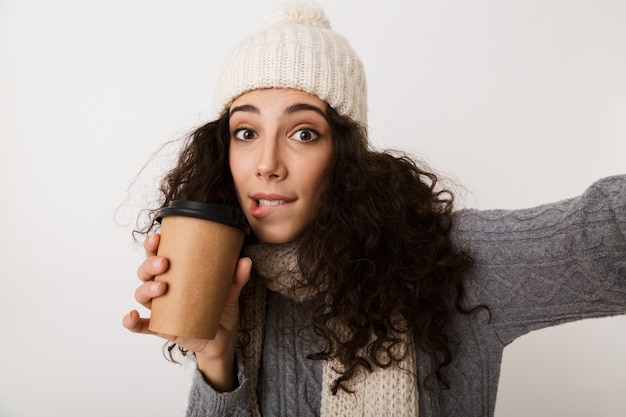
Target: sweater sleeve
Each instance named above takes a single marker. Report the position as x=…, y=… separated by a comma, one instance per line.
x=204, y=401
x=550, y=264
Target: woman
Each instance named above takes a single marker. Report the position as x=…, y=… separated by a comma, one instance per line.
x=361, y=292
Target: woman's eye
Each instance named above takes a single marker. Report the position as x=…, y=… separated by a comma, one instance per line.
x=244, y=134
x=305, y=135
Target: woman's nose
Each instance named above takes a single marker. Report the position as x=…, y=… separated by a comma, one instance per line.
x=270, y=164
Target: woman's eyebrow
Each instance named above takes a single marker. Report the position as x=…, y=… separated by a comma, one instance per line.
x=246, y=108
x=304, y=107
x=288, y=111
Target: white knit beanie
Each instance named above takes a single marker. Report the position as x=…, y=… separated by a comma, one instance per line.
x=297, y=50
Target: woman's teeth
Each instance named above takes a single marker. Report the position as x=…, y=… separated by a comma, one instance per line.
x=270, y=202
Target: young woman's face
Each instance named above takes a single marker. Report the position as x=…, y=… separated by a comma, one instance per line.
x=280, y=151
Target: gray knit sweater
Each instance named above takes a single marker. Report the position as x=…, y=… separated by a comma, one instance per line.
x=534, y=268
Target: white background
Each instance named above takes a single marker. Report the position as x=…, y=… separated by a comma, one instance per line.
x=521, y=102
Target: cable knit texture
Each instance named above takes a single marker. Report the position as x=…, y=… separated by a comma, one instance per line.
x=534, y=268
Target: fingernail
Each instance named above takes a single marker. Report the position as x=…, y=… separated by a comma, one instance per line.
x=126, y=317
x=155, y=286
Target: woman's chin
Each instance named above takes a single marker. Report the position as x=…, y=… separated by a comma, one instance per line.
x=275, y=237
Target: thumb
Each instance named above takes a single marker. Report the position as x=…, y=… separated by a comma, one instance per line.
x=230, y=316
x=240, y=279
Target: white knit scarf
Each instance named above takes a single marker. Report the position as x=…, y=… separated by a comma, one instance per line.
x=384, y=392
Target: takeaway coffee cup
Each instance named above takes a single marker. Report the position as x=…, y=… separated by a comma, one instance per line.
x=202, y=242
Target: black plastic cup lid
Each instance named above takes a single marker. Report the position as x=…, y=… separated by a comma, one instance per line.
x=219, y=213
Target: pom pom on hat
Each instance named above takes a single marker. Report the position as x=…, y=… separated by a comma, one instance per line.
x=297, y=49
x=303, y=13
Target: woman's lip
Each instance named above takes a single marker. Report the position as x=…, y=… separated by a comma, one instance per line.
x=263, y=204
x=270, y=196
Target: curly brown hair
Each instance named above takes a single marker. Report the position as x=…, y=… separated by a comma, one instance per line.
x=379, y=247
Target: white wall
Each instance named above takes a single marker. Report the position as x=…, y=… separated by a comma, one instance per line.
x=523, y=102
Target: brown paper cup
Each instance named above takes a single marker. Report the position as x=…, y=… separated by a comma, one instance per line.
x=202, y=243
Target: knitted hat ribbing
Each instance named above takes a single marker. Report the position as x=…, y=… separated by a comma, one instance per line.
x=297, y=50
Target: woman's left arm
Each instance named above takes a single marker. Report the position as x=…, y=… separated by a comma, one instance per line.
x=550, y=264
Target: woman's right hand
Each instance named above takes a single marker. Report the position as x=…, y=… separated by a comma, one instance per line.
x=215, y=357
